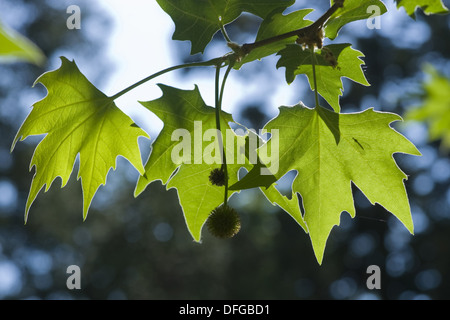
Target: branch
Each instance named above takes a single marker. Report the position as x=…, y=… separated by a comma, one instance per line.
x=212, y=62
x=309, y=33
x=306, y=32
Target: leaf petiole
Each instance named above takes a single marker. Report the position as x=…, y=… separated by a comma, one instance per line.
x=218, y=109
x=213, y=62
x=224, y=31
x=313, y=62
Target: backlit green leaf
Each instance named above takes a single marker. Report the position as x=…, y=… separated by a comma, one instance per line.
x=267, y=184
x=427, y=6
x=330, y=151
x=332, y=63
x=289, y=205
x=15, y=47
x=352, y=10
x=198, y=20
x=186, y=121
x=435, y=110
x=273, y=26
x=77, y=119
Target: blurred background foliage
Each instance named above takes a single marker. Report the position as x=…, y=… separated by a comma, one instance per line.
x=140, y=248
x=435, y=107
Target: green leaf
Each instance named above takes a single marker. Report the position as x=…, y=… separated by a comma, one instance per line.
x=427, y=6
x=435, y=110
x=254, y=179
x=352, y=10
x=77, y=119
x=198, y=20
x=181, y=156
x=15, y=47
x=330, y=151
x=329, y=85
x=289, y=205
x=186, y=121
x=273, y=26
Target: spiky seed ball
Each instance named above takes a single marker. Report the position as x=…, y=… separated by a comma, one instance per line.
x=224, y=222
x=217, y=177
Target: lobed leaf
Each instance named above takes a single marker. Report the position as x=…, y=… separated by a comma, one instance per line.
x=198, y=20
x=185, y=111
x=267, y=183
x=329, y=85
x=427, y=6
x=275, y=25
x=352, y=10
x=330, y=151
x=77, y=119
